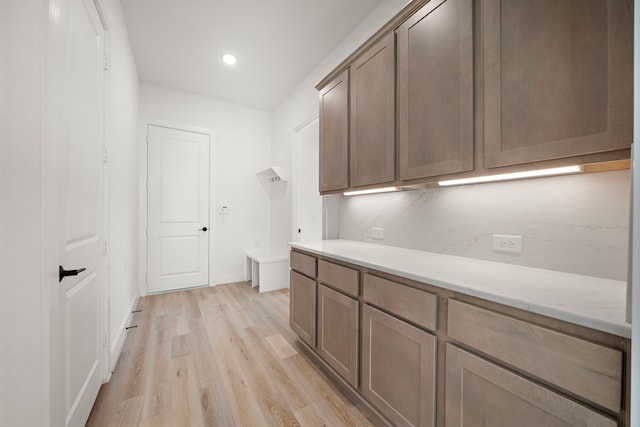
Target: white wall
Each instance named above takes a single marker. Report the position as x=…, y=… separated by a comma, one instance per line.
x=121, y=176
x=577, y=224
x=301, y=105
x=242, y=148
x=22, y=309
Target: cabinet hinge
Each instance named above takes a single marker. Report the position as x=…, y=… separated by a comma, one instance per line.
x=105, y=249
x=105, y=155
x=106, y=339
x=106, y=63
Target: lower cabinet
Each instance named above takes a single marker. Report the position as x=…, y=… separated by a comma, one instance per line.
x=399, y=344
x=338, y=332
x=302, y=310
x=398, y=369
x=479, y=392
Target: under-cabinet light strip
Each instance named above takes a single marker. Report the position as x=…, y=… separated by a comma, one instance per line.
x=515, y=175
x=372, y=191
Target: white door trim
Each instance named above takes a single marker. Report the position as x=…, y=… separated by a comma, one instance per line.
x=144, y=122
x=107, y=357
x=294, y=173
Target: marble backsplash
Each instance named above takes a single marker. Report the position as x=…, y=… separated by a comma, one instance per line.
x=576, y=224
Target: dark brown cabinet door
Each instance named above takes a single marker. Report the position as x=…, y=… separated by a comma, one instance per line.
x=334, y=134
x=558, y=78
x=338, y=332
x=398, y=369
x=372, y=143
x=302, y=310
x=435, y=90
x=479, y=392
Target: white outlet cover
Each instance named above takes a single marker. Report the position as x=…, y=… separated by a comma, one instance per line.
x=507, y=243
x=377, y=233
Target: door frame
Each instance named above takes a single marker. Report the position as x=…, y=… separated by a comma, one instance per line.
x=144, y=123
x=329, y=204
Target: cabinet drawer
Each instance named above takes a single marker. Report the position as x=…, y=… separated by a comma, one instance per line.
x=480, y=390
x=305, y=264
x=412, y=304
x=578, y=366
x=339, y=277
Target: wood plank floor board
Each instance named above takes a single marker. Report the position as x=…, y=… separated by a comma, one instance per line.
x=221, y=356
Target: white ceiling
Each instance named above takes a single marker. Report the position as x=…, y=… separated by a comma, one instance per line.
x=178, y=43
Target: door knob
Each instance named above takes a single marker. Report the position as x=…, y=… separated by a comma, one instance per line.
x=62, y=273
x=203, y=229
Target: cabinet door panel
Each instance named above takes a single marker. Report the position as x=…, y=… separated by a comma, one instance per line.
x=398, y=369
x=557, y=78
x=372, y=143
x=302, y=311
x=596, y=375
x=334, y=134
x=435, y=90
x=481, y=393
x=338, y=332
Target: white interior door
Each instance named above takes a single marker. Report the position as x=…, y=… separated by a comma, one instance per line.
x=178, y=209
x=80, y=295
x=308, y=202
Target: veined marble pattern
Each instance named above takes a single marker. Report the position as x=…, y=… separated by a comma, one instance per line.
x=577, y=224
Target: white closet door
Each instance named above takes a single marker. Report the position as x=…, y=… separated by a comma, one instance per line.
x=178, y=209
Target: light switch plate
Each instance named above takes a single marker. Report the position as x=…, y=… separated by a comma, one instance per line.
x=507, y=243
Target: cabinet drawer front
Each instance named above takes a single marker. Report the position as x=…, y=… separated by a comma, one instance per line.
x=305, y=264
x=412, y=304
x=339, y=277
x=398, y=369
x=578, y=366
x=338, y=330
x=479, y=390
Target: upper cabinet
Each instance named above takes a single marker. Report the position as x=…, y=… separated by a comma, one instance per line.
x=557, y=78
x=435, y=90
x=464, y=88
x=334, y=134
x=372, y=144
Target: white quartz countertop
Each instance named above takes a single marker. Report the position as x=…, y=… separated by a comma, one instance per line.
x=583, y=300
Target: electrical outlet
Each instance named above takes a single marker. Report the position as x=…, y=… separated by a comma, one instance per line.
x=377, y=233
x=506, y=243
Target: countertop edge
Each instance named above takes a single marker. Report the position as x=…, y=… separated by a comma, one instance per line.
x=621, y=329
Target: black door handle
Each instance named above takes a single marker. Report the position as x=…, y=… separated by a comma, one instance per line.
x=64, y=273
x=203, y=229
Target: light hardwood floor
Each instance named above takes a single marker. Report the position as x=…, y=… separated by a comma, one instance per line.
x=222, y=356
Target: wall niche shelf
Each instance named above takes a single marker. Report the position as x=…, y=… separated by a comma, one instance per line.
x=273, y=174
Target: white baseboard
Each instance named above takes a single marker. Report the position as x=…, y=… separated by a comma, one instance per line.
x=116, y=347
x=230, y=278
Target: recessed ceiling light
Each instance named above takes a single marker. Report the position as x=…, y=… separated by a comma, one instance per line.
x=229, y=59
